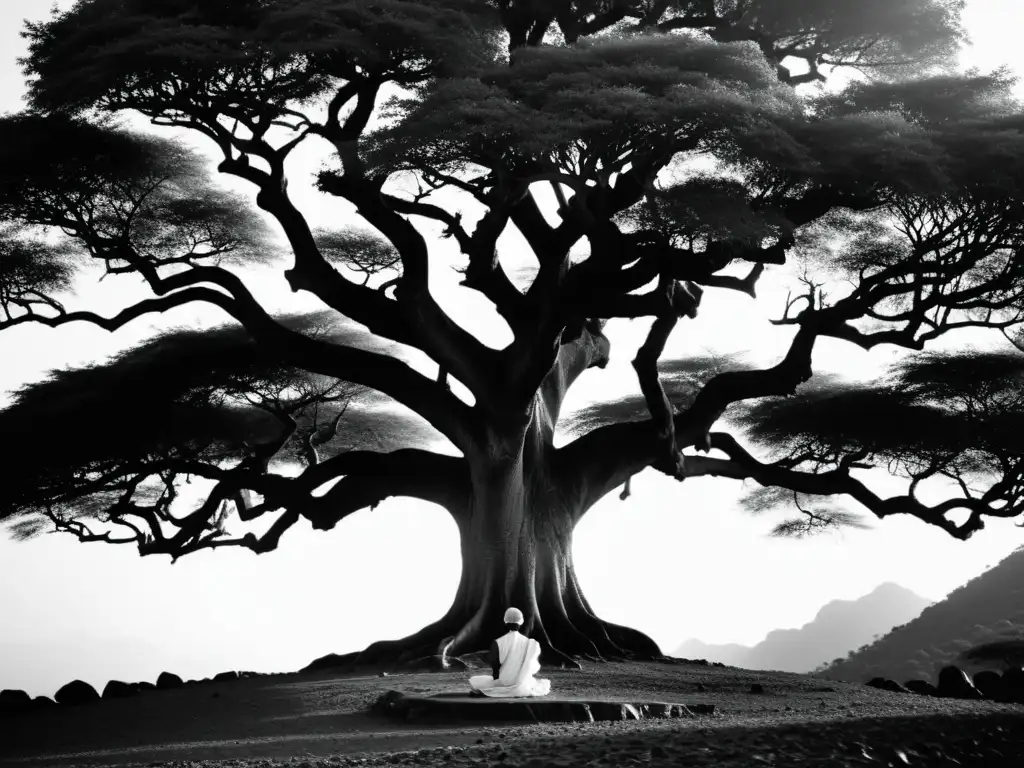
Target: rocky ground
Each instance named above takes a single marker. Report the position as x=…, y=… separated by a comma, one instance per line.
x=321, y=720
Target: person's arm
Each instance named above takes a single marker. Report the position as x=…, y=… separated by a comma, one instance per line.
x=495, y=659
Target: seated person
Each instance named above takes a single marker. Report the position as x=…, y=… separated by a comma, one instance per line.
x=514, y=662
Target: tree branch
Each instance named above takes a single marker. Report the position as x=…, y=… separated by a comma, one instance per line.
x=534, y=351
x=605, y=457
x=367, y=479
x=742, y=465
x=484, y=273
x=145, y=307
x=436, y=334
x=370, y=478
x=646, y=365
x=382, y=373
x=416, y=321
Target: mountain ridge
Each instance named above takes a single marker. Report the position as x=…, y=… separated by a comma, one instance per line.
x=838, y=627
x=987, y=608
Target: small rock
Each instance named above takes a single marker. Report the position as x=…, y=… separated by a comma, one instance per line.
x=168, y=680
x=701, y=688
x=76, y=692
x=757, y=688
x=116, y=689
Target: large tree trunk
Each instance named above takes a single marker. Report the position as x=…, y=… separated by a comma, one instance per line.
x=516, y=545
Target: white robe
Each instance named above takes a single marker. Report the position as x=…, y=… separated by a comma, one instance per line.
x=519, y=656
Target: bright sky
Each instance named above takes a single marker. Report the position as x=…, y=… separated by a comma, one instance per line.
x=674, y=560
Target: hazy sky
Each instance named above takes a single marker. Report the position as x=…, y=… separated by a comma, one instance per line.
x=675, y=560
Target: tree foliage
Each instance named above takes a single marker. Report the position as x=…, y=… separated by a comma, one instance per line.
x=75, y=191
x=186, y=403
x=1008, y=652
x=685, y=160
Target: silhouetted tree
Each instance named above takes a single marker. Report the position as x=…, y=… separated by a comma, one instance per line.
x=675, y=142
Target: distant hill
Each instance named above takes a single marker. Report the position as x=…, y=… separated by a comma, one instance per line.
x=839, y=627
x=989, y=607
x=730, y=654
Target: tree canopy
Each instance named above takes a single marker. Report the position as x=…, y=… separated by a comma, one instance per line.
x=692, y=147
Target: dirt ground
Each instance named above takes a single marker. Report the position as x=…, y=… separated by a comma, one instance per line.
x=322, y=720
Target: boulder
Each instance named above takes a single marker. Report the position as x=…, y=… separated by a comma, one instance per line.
x=14, y=701
x=1013, y=682
x=885, y=684
x=955, y=684
x=144, y=686
x=168, y=680
x=116, y=689
x=220, y=677
x=43, y=702
x=921, y=687
x=76, y=692
x=990, y=684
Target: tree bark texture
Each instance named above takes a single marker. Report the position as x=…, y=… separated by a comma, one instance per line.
x=516, y=547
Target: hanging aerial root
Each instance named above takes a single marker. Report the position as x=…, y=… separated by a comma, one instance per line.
x=626, y=492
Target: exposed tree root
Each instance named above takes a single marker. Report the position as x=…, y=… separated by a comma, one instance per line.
x=565, y=640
